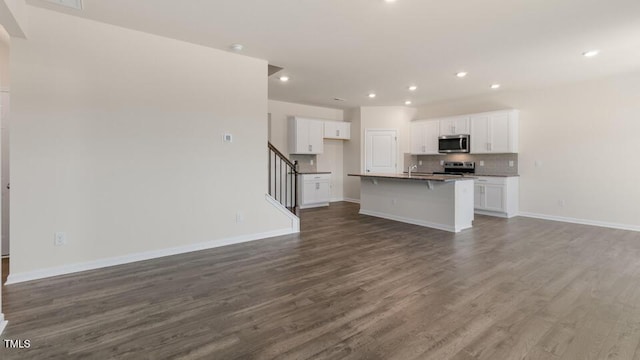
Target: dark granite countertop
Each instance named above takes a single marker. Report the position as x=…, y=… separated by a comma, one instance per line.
x=418, y=177
x=470, y=175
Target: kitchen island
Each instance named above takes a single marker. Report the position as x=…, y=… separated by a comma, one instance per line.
x=442, y=202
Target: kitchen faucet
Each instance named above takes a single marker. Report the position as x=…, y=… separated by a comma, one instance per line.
x=412, y=167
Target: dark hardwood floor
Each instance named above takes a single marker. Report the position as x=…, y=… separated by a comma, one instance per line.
x=351, y=287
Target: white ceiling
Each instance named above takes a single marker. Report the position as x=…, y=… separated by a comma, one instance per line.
x=348, y=48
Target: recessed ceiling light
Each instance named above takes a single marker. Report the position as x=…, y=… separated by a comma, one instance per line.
x=461, y=74
x=372, y=95
x=284, y=78
x=236, y=47
x=390, y=1
x=495, y=86
x=408, y=102
x=413, y=88
x=591, y=53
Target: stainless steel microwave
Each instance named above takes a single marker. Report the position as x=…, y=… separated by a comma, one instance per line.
x=454, y=144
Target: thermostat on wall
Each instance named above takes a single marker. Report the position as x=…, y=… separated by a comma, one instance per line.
x=227, y=138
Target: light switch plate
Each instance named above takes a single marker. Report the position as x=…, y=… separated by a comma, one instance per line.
x=481, y=163
x=420, y=162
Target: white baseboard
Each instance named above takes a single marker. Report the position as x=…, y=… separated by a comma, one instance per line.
x=355, y=201
x=147, y=255
x=580, y=221
x=311, y=206
x=336, y=200
x=495, y=214
x=412, y=221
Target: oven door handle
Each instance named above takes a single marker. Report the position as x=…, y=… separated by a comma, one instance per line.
x=461, y=143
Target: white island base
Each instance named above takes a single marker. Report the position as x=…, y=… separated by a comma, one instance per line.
x=436, y=204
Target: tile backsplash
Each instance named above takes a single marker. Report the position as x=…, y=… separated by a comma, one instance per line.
x=304, y=162
x=494, y=164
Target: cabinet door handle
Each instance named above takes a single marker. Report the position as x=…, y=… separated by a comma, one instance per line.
x=453, y=129
x=317, y=186
x=337, y=132
x=310, y=147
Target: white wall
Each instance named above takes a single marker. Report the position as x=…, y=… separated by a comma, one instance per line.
x=117, y=141
x=5, y=42
x=374, y=117
x=585, y=136
x=332, y=157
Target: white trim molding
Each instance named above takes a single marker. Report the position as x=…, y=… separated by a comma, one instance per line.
x=295, y=220
x=580, y=221
x=147, y=255
x=351, y=200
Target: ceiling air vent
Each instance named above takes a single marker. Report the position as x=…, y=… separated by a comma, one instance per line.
x=338, y=99
x=274, y=69
x=74, y=4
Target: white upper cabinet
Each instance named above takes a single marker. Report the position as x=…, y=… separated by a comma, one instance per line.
x=494, y=132
x=340, y=130
x=424, y=137
x=454, y=125
x=305, y=135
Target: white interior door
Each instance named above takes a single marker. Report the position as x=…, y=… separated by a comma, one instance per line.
x=381, y=151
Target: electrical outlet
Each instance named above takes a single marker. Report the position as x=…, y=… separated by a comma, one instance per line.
x=561, y=203
x=441, y=162
x=227, y=138
x=481, y=162
x=60, y=239
x=420, y=162
x=394, y=201
x=311, y=162
x=511, y=163
x=239, y=217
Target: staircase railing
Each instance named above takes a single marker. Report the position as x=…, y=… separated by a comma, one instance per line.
x=283, y=175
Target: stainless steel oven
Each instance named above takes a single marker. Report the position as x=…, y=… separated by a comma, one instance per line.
x=454, y=144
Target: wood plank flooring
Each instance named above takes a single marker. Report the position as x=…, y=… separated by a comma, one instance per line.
x=351, y=287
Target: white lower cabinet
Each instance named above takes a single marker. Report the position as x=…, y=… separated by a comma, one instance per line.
x=314, y=190
x=497, y=196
